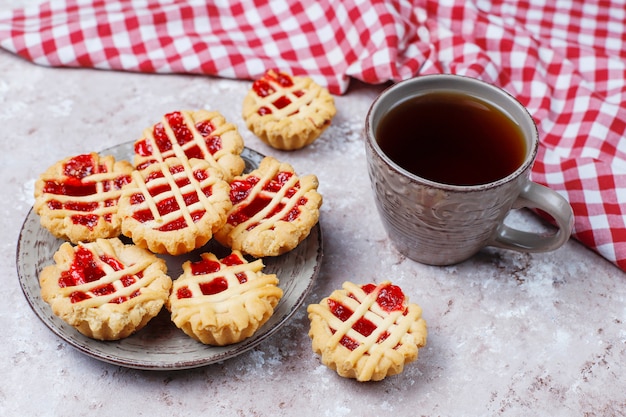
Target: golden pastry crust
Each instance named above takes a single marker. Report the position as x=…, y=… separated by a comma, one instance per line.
x=186, y=134
x=223, y=301
x=273, y=210
x=287, y=112
x=76, y=198
x=174, y=206
x=105, y=289
x=367, y=332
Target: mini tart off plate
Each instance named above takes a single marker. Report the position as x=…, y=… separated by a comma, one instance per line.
x=287, y=112
x=367, y=332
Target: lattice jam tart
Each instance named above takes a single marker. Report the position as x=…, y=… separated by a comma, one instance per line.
x=287, y=112
x=188, y=134
x=76, y=198
x=223, y=301
x=367, y=332
x=105, y=289
x=174, y=206
x=273, y=210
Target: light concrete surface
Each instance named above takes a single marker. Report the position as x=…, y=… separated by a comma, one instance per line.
x=510, y=334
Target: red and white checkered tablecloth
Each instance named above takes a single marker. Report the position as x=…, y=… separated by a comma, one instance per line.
x=564, y=59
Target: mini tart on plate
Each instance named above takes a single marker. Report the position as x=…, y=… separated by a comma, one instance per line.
x=287, y=112
x=273, y=210
x=367, y=332
x=174, y=206
x=187, y=134
x=76, y=198
x=105, y=289
x=223, y=301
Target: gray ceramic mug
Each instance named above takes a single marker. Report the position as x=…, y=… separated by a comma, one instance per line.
x=441, y=224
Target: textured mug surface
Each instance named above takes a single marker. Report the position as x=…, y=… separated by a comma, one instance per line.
x=442, y=224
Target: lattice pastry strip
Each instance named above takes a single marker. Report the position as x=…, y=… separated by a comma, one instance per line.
x=174, y=206
x=105, y=289
x=287, y=112
x=367, y=332
x=189, y=134
x=273, y=210
x=223, y=301
x=77, y=197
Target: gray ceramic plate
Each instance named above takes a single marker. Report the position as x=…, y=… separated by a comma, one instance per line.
x=160, y=345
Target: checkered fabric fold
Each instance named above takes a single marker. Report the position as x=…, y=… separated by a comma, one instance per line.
x=564, y=60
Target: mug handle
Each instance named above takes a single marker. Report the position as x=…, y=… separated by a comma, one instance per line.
x=537, y=196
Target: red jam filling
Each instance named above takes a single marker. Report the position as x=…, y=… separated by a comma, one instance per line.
x=184, y=292
x=205, y=128
x=70, y=187
x=103, y=290
x=89, y=221
x=80, y=166
x=343, y=313
x=143, y=148
x=85, y=268
x=281, y=102
x=161, y=139
x=81, y=206
x=263, y=87
x=75, y=169
x=204, y=267
x=264, y=111
x=179, y=127
x=241, y=277
x=112, y=262
x=169, y=204
x=213, y=143
x=390, y=298
x=207, y=266
x=232, y=259
x=240, y=189
x=200, y=175
x=214, y=286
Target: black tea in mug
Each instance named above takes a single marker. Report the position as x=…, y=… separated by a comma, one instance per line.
x=452, y=138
